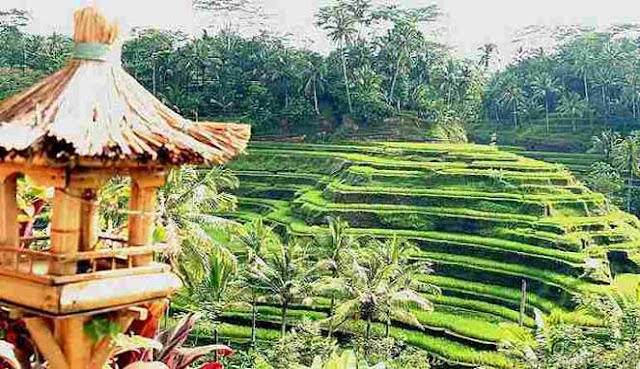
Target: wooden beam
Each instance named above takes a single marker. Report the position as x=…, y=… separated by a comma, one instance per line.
x=41, y=333
x=103, y=350
x=75, y=343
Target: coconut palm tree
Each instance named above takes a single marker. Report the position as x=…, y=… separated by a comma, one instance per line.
x=397, y=252
x=285, y=277
x=572, y=106
x=606, y=144
x=337, y=249
x=255, y=239
x=627, y=159
x=545, y=87
x=340, y=25
x=374, y=290
x=512, y=94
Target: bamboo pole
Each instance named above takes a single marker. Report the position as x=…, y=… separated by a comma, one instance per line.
x=65, y=227
x=9, y=235
x=141, y=220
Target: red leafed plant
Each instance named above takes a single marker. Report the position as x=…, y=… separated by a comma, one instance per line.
x=172, y=353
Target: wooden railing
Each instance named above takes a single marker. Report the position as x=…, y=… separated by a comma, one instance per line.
x=35, y=258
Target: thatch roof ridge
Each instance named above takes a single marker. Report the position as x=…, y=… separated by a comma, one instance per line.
x=92, y=109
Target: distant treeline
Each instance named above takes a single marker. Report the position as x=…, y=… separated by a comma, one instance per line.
x=588, y=76
x=383, y=65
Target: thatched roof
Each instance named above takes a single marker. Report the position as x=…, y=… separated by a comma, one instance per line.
x=93, y=113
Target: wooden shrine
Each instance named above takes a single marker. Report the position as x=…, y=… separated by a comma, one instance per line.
x=73, y=131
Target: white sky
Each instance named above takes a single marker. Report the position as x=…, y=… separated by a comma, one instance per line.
x=467, y=24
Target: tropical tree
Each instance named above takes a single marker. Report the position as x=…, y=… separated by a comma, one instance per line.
x=545, y=87
x=340, y=25
x=627, y=159
x=374, y=290
x=255, y=239
x=512, y=94
x=486, y=54
x=572, y=106
x=337, y=250
x=606, y=143
x=285, y=277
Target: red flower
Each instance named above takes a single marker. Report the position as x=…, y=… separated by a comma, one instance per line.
x=212, y=365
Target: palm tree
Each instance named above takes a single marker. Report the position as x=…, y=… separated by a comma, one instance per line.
x=373, y=289
x=340, y=24
x=544, y=87
x=315, y=81
x=571, y=105
x=487, y=51
x=397, y=252
x=284, y=277
x=581, y=57
x=512, y=94
x=337, y=250
x=606, y=144
x=210, y=274
x=627, y=159
x=186, y=202
x=255, y=239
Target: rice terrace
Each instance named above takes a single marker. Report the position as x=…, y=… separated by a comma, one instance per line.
x=242, y=184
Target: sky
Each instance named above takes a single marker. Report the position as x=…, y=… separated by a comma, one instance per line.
x=465, y=25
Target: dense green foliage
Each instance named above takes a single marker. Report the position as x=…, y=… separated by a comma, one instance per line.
x=585, y=77
x=372, y=75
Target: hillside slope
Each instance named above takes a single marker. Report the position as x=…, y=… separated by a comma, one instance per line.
x=487, y=219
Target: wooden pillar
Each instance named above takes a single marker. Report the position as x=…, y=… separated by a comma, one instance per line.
x=9, y=232
x=75, y=343
x=141, y=219
x=88, y=220
x=65, y=227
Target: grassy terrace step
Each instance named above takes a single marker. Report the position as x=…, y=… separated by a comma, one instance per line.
x=271, y=159
x=278, y=179
x=315, y=209
x=534, y=204
x=550, y=283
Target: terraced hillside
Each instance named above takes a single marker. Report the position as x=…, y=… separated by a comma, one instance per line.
x=487, y=219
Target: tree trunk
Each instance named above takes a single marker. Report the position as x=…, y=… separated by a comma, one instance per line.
x=546, y=110
x=388, y=323
x=345, y=76
x=523, y=303
x=573, y=122
x=629, y=188
x=331, y=312
x=367, y=336
x=395, y=76
x=253, y=320
x=315, y=97
x=515, y=115
x=215, y=341
x=283, y=325
x=586, y=87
